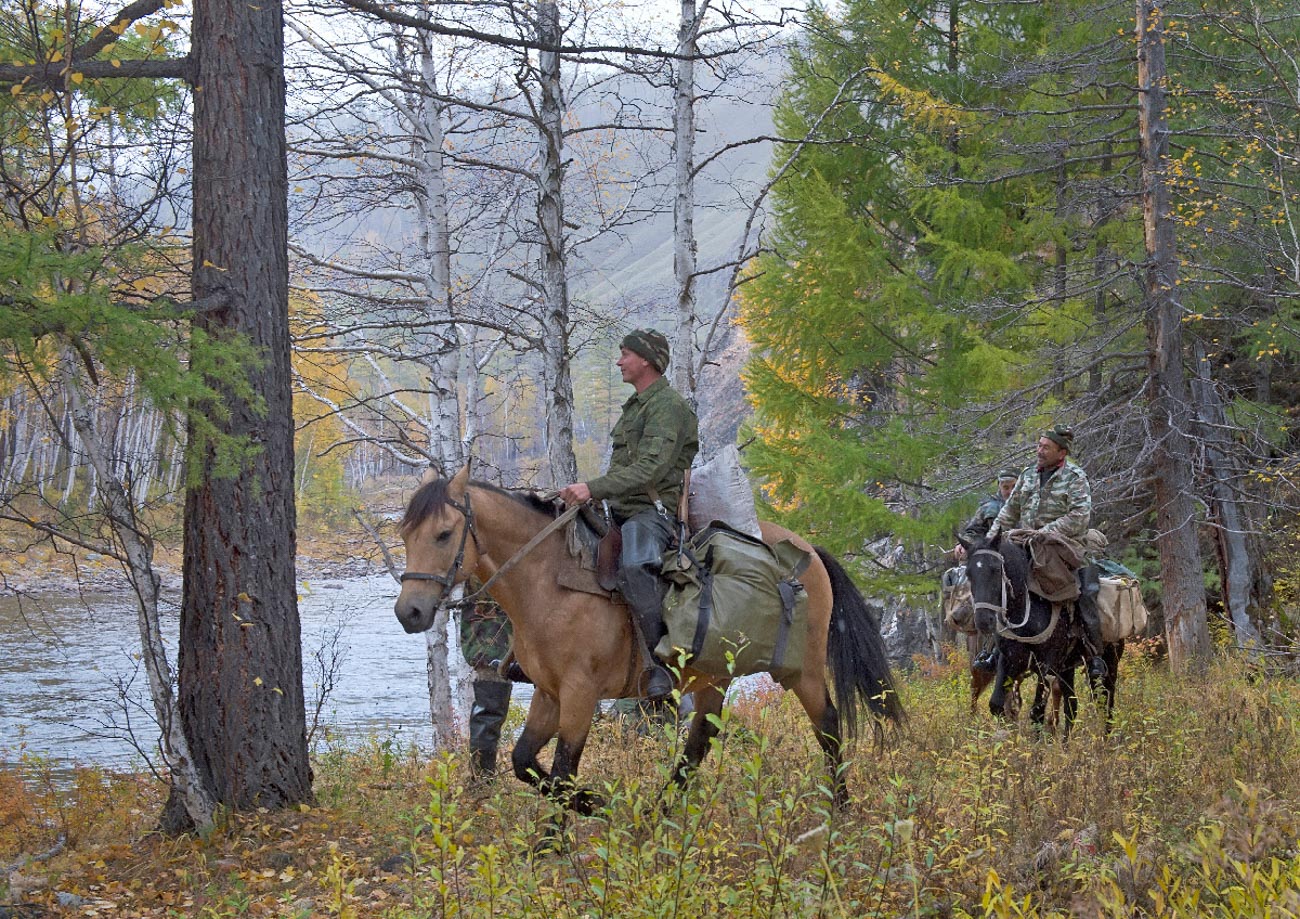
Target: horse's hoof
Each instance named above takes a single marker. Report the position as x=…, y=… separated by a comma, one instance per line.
x=586, y=803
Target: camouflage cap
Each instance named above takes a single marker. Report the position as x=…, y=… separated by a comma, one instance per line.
x=650, y=344
x=1061, y=435
x=1008, y=475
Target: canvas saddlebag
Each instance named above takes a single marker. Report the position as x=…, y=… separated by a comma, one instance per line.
x=1123, y=614
x=735, y=605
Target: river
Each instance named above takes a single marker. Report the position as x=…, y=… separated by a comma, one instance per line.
x=70, y=681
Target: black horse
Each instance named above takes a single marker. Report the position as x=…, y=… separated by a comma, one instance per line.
x=1033, y=634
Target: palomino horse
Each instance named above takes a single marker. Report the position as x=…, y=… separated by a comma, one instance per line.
x=1032, y=635
x=579, y=648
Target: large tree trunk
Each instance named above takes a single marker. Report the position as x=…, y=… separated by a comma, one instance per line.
x=1186, y=630
x=240, y=644
x=684, y=242
x=555, y=283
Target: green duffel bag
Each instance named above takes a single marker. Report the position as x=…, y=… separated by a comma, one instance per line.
x=735, y=605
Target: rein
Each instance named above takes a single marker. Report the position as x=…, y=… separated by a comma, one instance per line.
x=1004, y=626
x=447, y=580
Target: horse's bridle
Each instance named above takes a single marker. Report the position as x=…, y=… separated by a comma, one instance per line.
x=1005, y=627
x=448, y=580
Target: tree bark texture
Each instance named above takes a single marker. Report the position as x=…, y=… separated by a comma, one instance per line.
x=684, y=242
x=1238, y=556
x=240, y=656
x=1186, y=628
x=550, y=221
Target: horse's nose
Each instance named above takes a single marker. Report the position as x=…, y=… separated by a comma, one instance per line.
x=412, y=614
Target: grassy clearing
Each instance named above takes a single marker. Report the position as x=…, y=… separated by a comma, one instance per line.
x=1188, y=808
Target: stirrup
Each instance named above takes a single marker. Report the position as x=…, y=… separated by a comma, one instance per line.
x=1097, y=669
x=986, y=661
x=658, y=683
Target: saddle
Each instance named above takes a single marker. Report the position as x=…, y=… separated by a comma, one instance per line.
x=591, y=564
x=1055, y=560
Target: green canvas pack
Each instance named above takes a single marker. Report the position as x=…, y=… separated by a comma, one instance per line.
x=733, y=596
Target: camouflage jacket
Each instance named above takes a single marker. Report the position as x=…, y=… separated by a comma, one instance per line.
x=1061, y=505
x=485, y=633
x=978, y=526
x=655, y=440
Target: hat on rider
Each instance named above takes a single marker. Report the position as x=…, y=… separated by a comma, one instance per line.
x=1008, y=475
x=650, y=344
x=1060, y=435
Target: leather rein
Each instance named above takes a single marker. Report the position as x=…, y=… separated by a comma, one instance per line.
x=449, y=580
x=1005, y=627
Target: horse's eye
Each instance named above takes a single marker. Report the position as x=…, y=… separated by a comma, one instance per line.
x=443, y=536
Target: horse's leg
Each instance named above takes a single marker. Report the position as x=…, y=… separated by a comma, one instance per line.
x=708, y=704
x=539, y=727
x=1070, y=697
x=815, y=696
x=1038, y=711
x=998, y=699
x=576, y=711
x=1113, y=654
x=1013, y=703
x=980, y=680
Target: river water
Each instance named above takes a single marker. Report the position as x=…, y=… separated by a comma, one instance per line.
x=70, y=681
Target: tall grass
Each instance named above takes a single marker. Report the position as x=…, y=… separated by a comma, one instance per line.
x=1186, y=808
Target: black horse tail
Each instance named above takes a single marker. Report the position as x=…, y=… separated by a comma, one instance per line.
x=856, y=653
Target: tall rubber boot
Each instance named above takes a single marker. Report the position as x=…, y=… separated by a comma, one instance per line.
x=1090, y=619
x=645, y=538
x=486, y=715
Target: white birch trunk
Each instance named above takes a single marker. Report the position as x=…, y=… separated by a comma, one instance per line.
x=558, y=383
x=444, y=363
x=138, y=549
x=684, y=243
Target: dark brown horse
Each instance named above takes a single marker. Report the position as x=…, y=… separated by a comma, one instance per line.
x=1033, y=636
x=579, y=648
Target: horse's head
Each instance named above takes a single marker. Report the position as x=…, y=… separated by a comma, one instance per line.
x=441, y=548
x=986, y=570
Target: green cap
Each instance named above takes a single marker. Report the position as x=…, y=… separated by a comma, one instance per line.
x=650, y=344
x=1061, y=435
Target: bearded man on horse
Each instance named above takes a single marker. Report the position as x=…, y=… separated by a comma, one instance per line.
x=655, y=440
x=1053, y=497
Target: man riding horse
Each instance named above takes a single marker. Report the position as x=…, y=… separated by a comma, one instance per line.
x=655, y=440
x=1053, y=497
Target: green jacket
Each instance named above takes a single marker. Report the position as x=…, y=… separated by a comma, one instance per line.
x=1063, y=505
x=655, y=440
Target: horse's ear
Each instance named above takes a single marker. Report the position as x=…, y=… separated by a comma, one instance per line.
x=430, y=475
x=459, y=482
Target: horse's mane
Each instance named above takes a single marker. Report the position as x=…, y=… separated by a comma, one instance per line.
x=431, y=499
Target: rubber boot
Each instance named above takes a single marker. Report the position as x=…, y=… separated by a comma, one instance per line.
x=645, y=538
x=1090, y=620
x=486, y=715
x=987, y=659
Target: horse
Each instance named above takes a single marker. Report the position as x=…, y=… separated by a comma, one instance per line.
x=579, y=648
x=1040, y=641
